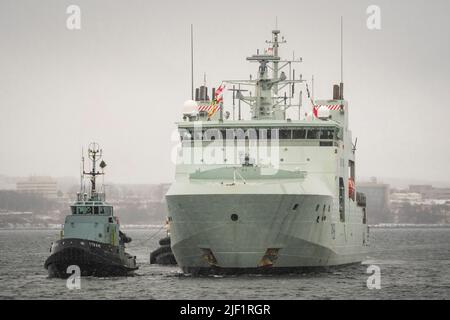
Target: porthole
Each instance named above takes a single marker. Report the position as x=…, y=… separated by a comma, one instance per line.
x=234, y=217
x=295, y=207
x=317, y=207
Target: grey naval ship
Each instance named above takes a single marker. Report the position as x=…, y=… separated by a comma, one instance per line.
x=91, y=238
x=270, y=193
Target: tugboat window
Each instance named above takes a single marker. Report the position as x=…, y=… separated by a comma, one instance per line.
x=95, y=210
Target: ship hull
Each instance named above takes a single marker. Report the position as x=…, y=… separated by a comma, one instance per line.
x=92, y=257
x=269, y=233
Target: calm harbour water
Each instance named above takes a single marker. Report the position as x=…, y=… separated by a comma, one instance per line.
x=415, y=264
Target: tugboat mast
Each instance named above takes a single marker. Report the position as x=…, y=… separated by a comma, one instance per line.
x=95, y=154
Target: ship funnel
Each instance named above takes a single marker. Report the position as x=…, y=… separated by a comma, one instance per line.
x=197, y=94
x=336, y=92
x=203, y=93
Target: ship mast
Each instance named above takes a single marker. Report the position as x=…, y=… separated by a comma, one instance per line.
x=266, y=103
x=95, y=154
x=275, y=45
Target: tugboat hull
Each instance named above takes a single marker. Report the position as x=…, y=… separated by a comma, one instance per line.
x=92, y=257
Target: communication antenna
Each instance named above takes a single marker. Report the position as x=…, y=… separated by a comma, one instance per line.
x=81, y=171
x=239, y=104
x=234, y=97
x=192, y=61
x=341, y=89
x=300, y=101
x=95, y=154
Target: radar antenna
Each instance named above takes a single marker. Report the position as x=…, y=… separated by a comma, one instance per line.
x=272, y=85
x=94, y=154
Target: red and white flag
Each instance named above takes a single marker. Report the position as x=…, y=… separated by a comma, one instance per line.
x=219, y=93
x=215, y=103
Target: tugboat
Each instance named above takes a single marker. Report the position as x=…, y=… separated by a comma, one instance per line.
x=90, y=238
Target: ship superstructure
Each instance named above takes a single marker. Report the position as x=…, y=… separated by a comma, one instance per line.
x=268, y=193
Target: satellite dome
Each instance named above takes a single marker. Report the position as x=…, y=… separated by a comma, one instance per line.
x=189, y=106
x=323, y=112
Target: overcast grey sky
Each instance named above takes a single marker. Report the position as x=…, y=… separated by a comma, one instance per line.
x=122, y=79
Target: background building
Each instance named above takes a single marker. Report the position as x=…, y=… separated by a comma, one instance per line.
x=430, y=192
x=377, y=199
x=45, y=186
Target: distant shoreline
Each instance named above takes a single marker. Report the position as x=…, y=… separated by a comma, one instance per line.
x=131, y=226
x=156, y=226
x=408, y=226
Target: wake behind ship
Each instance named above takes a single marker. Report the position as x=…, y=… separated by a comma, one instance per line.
x=268, y=194
x=91, y=239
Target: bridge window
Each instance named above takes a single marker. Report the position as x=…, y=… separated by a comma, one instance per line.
x=313, y=134
x=299, y=134
x=327, y=134
x=185, y=135
x=213, y=134
x=198, y=134
x=285, y=134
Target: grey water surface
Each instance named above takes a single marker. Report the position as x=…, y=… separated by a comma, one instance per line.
x=414, y=264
